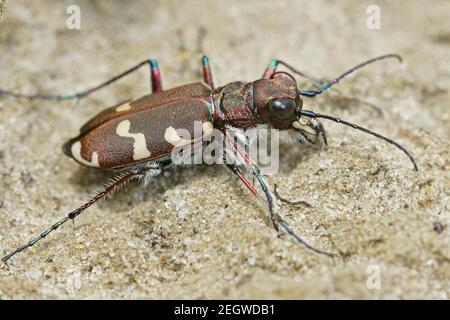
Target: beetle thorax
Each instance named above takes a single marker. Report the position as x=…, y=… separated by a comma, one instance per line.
x=245, y=104
x=234, y=106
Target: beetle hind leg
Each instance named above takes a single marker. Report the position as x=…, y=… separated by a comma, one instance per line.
x=277, y=220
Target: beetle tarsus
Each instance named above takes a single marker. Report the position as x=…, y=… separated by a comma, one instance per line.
x=289, y=230
x=290, y=202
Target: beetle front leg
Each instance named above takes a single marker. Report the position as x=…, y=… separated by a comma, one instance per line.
x=272, y=68
x=307, y=131
x=290, y=202
x=276, y=218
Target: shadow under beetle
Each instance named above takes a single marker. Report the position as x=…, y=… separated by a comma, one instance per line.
x=135, y=138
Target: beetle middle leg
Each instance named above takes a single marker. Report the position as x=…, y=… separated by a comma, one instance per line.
x=290, y=202
x=272, y=68
x=155, y=76
x=307, y=131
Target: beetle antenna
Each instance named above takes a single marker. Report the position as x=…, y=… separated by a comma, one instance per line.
x=312, y=114
x=313, y=93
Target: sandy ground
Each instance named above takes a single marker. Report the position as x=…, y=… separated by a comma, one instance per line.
x=198, y=233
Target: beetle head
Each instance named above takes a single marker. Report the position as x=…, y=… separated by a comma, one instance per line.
x=278, y=100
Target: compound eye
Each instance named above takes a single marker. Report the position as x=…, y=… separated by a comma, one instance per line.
x=282, y=108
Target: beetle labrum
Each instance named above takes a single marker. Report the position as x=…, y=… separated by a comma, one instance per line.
x=136, y=137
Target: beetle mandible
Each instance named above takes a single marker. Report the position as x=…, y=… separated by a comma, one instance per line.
x=137, y=137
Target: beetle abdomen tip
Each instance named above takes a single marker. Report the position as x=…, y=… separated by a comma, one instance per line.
x=66, y=148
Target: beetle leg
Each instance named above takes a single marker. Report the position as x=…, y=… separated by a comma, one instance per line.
x=113, y=185
x=276, y=218
x=155, y=78
x=309, y=131
x=272, y=68
x=290, y=202
x=207, y=75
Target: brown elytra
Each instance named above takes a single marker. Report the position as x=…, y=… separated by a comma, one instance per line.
x=136, y=131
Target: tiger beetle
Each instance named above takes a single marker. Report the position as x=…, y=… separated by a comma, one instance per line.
x=133, y=138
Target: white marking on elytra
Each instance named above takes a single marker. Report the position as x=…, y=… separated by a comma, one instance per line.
x=207, y=128
x=76, y=153
x=123, y=107
x=172, y=137
x=140, y=150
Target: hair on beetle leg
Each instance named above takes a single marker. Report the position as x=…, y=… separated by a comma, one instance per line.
x=310, y=131
x=150, y=169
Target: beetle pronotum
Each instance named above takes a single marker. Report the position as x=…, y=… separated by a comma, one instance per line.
x=135, y=137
